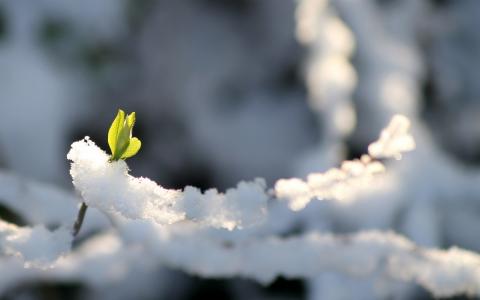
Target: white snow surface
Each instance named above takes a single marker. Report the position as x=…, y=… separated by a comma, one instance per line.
x=108, y=186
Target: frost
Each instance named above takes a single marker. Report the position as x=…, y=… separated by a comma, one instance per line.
x=108, y=187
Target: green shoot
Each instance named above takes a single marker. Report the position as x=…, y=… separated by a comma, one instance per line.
x=122, y=145
x=120, y=140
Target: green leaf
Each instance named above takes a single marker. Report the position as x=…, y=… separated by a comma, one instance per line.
x=131, y=120
x=114, y=130
x=132, y=149
x=120, y=140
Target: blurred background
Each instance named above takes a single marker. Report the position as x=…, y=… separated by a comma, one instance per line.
x=232, y=90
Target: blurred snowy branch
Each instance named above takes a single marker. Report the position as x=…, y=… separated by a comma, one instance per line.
x=341, y=183
x=37, y=246
x=370, y=253
x=394, y=140
x=442, y=272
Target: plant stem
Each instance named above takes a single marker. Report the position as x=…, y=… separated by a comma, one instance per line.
x=79, y=221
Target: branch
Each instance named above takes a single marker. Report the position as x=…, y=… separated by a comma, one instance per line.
x=108, y=187
x=342, y=183
x=443, y=272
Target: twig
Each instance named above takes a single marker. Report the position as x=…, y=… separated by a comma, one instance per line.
x=79, y=221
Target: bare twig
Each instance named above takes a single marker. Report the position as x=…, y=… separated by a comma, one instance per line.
x=79, y=221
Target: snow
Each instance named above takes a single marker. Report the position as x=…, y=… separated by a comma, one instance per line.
x=108, y=187
x=385, y=222
x=394, y=140
x=43, y=204
x=37, y=246
x=342, y=183
x=194, y=250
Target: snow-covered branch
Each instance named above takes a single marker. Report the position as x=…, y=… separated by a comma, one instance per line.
x=189, y=245
x=108, y=187
x=341, y=183
x=442, y=272
x=393, y=140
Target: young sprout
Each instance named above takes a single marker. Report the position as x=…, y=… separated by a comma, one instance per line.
x=122, y=146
